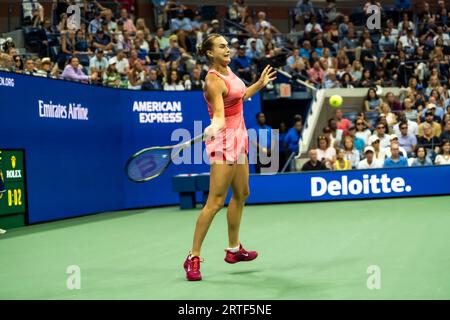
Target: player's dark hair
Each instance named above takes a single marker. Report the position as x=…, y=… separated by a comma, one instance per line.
x=206, y=45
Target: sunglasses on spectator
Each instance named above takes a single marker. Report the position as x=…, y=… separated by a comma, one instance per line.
x=381, y=127
x=359, y=123
x=404, y=128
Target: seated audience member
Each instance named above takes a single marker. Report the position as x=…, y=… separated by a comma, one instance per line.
x=195, y=82
x=409, y=112
x=358, y=142
x=413, y=127
x=435, y=127
x=444, y=157
x=341, y=162
x=391, y=118
x=379, y=154
x=350, y=152
x=369, y=162
x=174, y=83
x=136, y=76
x=362, y=132
x=393, y=103
x=313, y=164
x=445, y=135
x=122, y=63
x=372, y=101
x=380, y=133
x=429, y=141
x=394, y=139
x=396, y=160
x=74, y=72
x=421, y=158
x=325, y=152
x=438, y=112
x=152, y=83
x=406, y=140
x=111, y=77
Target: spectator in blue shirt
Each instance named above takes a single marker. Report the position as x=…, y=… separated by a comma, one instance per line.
x=253, y=52
x=358, y=142
x=241, y=65
x=319, y=47
x=95, y=24
x=395, y=160
x=303, y=11
x=264, y=143
x=305, y=50
x=292, y=139
x=181, y=22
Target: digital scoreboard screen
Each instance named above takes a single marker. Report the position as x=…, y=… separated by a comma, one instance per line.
x=12, y=182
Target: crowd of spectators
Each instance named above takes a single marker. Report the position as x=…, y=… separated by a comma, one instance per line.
x=113, y=47
x=411, y=49
x=412, y=131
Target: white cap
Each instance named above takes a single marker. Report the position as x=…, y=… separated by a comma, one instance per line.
x=393, y=136
x=112, y=60
x=369, y=148
x=265, y=24
x=234, y=40
x=372, y=139
x=431, y=106
x=214, y=21
x=9, y=39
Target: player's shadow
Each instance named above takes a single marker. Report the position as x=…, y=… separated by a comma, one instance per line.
x=244, y=272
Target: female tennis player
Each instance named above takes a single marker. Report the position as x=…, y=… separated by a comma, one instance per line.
x=227, y=148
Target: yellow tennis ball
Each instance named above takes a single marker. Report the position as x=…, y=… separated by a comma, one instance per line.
x=336, y=101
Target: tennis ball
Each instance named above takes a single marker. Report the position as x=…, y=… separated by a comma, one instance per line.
x=336, y=101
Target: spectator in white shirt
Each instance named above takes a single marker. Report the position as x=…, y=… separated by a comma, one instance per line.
x=369, y=162
x=325, y=153
x=313, y=26
x=380, y=134
x=379, y=154
x=444, y=157
x=122, y=64
x=394, y=139
x=174, y=83
x=98, y=63
x=405, y=24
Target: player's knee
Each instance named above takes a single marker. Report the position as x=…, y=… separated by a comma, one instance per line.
x=216, y=203
x=241, y=196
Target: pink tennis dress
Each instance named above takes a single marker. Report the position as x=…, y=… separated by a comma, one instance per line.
x=232, y=140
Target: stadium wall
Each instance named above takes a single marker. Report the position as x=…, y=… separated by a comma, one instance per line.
x=78, y=137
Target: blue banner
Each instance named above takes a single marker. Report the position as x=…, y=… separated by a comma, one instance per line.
x=78, y=137
x=353, y=184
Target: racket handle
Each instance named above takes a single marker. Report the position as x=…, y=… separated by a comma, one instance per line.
x=198, y=138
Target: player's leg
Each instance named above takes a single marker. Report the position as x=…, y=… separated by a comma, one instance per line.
x=239, y=184
x=240, y=188
x=220, y=180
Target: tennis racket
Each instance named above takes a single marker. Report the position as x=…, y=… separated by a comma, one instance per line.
x=149, y=163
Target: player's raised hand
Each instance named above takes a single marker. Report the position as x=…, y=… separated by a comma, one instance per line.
x=268, y=74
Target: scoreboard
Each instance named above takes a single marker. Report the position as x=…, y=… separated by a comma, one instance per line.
x=13, y=205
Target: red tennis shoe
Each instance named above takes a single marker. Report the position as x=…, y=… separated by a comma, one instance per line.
x=241, y=255
x=192, y=268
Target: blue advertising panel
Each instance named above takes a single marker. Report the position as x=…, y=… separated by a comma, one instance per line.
x=353, y=184
x=78, y=137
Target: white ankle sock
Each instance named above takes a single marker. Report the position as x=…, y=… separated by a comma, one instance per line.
x=234, y=250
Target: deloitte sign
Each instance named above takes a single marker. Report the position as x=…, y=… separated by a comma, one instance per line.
x=368, y=185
